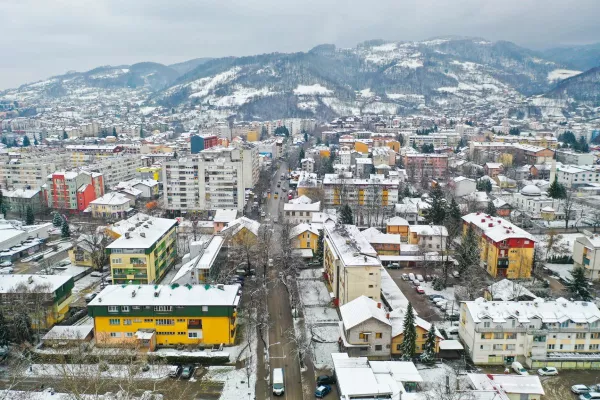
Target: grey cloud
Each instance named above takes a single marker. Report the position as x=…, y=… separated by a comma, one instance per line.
x=51, y=37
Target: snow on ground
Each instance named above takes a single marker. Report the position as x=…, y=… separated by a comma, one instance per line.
x=312, y=90
x=392, y=293
x=241, y=95
x=385, y=47
x=366, y=93
x=341, y=107
x=85, y=283
x=410, y=63
x=115, y=371
x=448, y=292
x=311, y=273
x=560, y=74
x=185, y=353
x=566, y=242
x=235, y=380
x=312, y=294
x=435, y=373
x=203, y=86
x=147, y=110
x=380, y=108
x=563, y=270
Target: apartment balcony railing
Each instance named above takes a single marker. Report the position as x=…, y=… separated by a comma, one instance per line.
x=535, y=331
x=492, y=329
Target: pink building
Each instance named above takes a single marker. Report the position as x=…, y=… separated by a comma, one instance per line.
x=434, y=166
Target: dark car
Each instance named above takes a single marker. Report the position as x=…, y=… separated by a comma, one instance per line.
x=452, y=317
x=432, y=297
x=322, y=391
x=325, y=380
x=188, y=372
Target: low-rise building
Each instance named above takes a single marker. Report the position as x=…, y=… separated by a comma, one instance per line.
x=383, y=243
x=462, y=186
x=112, y=206
x=429, y=237
x=398, y=226
x=422, y=327
x=300, y=210
x=165, y=315
x=19, y=200
x=305, y=236
x=537, y=333
x=572, y=157
x=506, y=387
x=586, y=255
x=206, y=263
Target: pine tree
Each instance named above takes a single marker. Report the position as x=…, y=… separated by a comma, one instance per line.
x=4, y=140
x=305, y=137
x=65, y=230
x=302, y=155
x=57, y=220
x=65, y=136
x=29, y=217
x=141, y=132
x=4, y=331
x=437, y=209
x=453, y=221
x=26, y=141
x=491, y=209
x=3, y=209
x=408, y=347
x=320, y=247
x=557, y=190
x=468, y=254
x=428, y=355
x=578, y=287
x=114, y=133
x=346, y=216
x=35, y=141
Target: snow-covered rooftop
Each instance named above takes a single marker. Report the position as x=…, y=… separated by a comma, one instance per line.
x=526, y=384
x=111, y=199
x=143, y=231
x=350, y=245
x=65, y=332
x=507, y=290
x=360, y=310
x=225, y=215
x=496, y=228
x=49, y=283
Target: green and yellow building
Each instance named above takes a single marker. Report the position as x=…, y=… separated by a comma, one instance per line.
x=45, y=298
x=144, y=251
x=147, y=316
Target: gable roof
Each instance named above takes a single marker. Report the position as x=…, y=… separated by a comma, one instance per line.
x=360, y=310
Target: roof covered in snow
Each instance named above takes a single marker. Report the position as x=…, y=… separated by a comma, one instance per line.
x=143, y=231
x=496, y=228
x=506, y=290
x=360, y=310
x=42, y=283
x=350, y=245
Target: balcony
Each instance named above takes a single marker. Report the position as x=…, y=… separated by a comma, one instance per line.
x=492, y=329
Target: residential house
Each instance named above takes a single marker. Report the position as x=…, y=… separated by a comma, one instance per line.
x=365, y=329
x=146, y=250
x=506, y=249
x=165, y=315
x=223, y=217
x=586, y=255
x=462, y=186
x=493, y=169
x=352, y=267
x=112, y=206
x=383, y=243
x=204, y=262
x=300, y=210
x=305, y=236
x=19, y=200
x=422, y=327
x=398, y=226
x=429, y=237
x=559, y=333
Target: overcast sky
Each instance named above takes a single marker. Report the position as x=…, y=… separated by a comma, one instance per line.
x=49, y=37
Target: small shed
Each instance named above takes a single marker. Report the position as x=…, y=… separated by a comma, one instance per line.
x=61, y=335
x=451, y=349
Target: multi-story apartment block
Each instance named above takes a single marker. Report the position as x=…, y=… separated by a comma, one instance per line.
x=351, y=264
x=84, y=154
x=145, y=251
x=438, y=140
x=434, y=166
x=118, y=168
x=30, y=173
x=559, y=333
x=72, y=190
x=300, y=210
x=45, y=298
x=383, y=156
x=574, y=158
x=307, y=165
x=164, y=315
x=376, y=190
x=506, y=249
x=215, y=179
x=586, y=255
x=574, y=177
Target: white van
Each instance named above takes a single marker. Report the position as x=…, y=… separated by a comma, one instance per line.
x=518, y=368
x=411, y=276
x=278, y=384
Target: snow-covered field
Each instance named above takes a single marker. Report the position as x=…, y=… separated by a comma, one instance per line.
x=560, y=74
x=566, y=242
x=312, y=90
x=563, y=270
x=116, y=371
x=235, y=380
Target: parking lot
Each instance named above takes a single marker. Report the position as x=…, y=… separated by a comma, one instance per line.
x=420, y=302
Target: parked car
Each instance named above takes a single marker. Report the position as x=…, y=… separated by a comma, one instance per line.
x=432, y=297
x=455, y=274
x=394, y=266
x=96, y=274
x=452, y=317
x=325, y=380
x=590, y=396
x=7, y=270
x=187, y=372
x=547, y=371
x=518, y=368
x=416, y=282
x=322, y=391
x=89, y=297
x=411, y=276
x=404, y=277
x=428, y=278
x=6, y=264
x=579, y=389
x=441, y=303
x=420, y=278
x=420, y=290
x=175, y=371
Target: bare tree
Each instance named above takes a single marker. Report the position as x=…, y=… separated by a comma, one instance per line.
x=264, y=246
x=568, y=203
x=94, y=243
x=448, y=389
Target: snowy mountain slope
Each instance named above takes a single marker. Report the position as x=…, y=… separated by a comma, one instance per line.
x=584, y=87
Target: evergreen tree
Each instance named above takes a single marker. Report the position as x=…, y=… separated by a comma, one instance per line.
x=22, y=331
x=407, y=192
x=141, y=132
x=453, y=222
x=320, y=246
x=57, y=220
x=29, y=217
x=264, y=133
x=302, y=155
x=428, y=355
x=35, y=141
x=578, y=287
x=491, y=208
x=305, y=137
x=437, y=209
x=557, y=190
x=484, y=185
x=114, y=133
x=4, y=141
x=65, y=136
x=65, y=230
x=4, y=331
x=346, y=216
x=3, y=209
x=468, y=252
x=408, y=347
x=26, y=141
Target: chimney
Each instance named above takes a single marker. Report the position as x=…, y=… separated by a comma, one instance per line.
x=378, y=305
x=143, y=234
x=127, y=235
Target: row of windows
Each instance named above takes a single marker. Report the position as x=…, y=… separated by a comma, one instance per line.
x=115, y=309
x=159, y=321
x=191, y=335
x=576, y=347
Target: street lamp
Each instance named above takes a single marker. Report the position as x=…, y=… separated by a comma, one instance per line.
x=267, y=350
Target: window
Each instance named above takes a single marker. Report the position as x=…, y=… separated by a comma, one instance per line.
x=498, y=347
x=163, y=308
x=487, y=324
x=564, y=324
x=594, y=346
x=117, y=261
x=579, y=347
x=127, y=321
x=483, y=336
x=165, y=321
x=137, y=320
x=125, y=308
x=193, y=335
x=128, y=334
x=204, y=308
x=115, y=334
x=580, y=336
x=398, y=347
x=510, y=347
x=378, y=335
x=370, y=286
x=148, y=320
x=378, y=347
x=550, y=347
x=113, y=308
x=595, y=335
x=424, y=336
x=114, y=321
x=511, y=336
x=180, y=320
x=498, y=335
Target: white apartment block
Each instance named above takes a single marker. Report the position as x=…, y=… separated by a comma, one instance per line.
x=573, y=177
x=438, y=140
x=120, y=168
x=536, y=333
x=377, y=189
x=574, y=158
x=181, y=184
x=307, y=165
x=30, y=172
x=297, y=211
x=586, y=254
